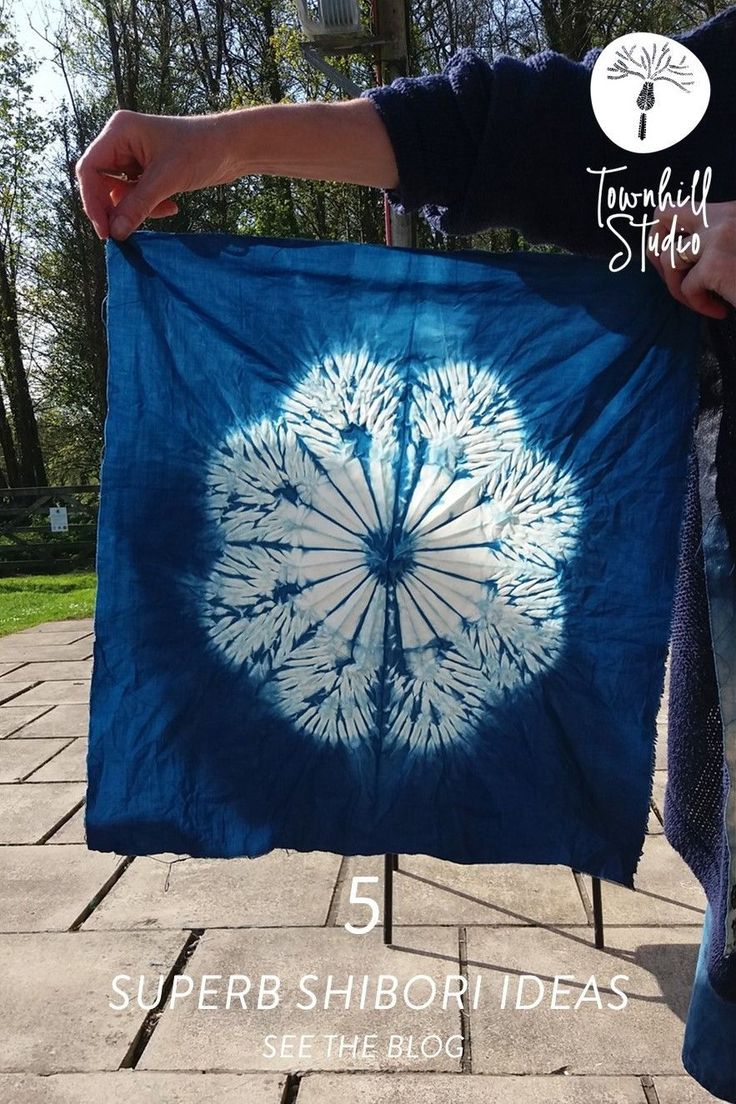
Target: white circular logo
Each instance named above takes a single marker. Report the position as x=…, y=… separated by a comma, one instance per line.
x=648, y=92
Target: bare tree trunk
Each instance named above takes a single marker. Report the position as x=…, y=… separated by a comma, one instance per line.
x=568, y=26
x=93, y=285
x=114, y=41
x=11, y=474
x=32, y=471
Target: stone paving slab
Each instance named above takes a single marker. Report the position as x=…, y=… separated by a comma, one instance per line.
x=62, y=720
x=430, y=891
x=19, y=757
x=666, y=891
x=233, y=1039
x=55, y=991
x=681, y=1090
x=645, y=1036
x=28, y=811
x=277, y=890
x=658, y=788
x=660, y=761
x=361, y=1088
x=83, y=624
x=654, y=828
x=51, y=636
x=45, y=888
x=72, y=831
x=11, y=691
x=133, y=1087
x=70, y=765
x=12, y=651
x=13, y=718
x=56, y=693
x=6, y=668
x=60, y=670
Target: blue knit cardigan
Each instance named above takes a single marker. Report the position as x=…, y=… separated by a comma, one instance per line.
x=508, y=144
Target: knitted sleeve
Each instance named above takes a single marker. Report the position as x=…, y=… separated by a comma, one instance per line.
x=509, y=143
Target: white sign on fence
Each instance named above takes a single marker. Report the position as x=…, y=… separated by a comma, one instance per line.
x=59, y=519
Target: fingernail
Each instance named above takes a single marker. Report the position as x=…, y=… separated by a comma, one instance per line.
x=120, y=227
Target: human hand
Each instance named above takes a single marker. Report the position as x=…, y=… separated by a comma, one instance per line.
x=163, y=154
x=703, y=275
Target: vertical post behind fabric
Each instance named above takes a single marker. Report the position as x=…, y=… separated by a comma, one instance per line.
x=391, y=25
x=598, y=914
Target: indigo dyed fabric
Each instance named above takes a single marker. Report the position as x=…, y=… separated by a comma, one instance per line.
x=387, y=548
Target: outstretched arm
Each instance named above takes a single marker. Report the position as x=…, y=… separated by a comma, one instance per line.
x=478, y=145
x=169, y=154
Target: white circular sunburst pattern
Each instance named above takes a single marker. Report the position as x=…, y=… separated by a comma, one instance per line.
x=391, y=553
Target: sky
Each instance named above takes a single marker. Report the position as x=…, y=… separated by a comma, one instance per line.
x=48, y=84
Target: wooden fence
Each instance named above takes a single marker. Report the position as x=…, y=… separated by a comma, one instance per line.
x=27, y=543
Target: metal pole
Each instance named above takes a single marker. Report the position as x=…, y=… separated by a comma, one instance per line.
x=598, y=914
x=388, y=898
x=392, y=26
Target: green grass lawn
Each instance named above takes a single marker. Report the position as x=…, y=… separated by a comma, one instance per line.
x=31, y=599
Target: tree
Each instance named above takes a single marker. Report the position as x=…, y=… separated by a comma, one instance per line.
x=22, y=140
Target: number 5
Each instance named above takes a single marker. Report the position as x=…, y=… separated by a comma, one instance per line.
x=372, y=905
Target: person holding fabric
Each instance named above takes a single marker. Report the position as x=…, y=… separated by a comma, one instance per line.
x=509, y=144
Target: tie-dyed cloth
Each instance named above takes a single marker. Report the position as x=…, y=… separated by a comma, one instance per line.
x=386, y=551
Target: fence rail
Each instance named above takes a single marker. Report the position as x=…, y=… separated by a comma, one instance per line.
x=27, y=544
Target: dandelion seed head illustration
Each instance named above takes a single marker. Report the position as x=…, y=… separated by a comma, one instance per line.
x=650, y=65
x=390, y=555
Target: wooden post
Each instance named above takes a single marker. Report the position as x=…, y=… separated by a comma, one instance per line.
x=392, y=18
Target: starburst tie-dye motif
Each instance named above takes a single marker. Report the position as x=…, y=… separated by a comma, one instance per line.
x=365, y=606
x=386, y=551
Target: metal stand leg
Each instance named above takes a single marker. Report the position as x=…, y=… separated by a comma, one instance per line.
x=598, y=914
x=390, y=863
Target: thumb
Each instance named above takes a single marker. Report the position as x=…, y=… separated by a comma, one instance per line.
x=137, y=204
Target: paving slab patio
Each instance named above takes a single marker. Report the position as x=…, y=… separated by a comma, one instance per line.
x=35, y=898
x=283, y=915
x=55, y=994
x=5, y=668
x=29, y=810
x=643, y=1036
x=69, y=765
x=429, y=891
x=666, y=891
x=12, y=691
x=358, y=1088
x=19, y=758
x=58, y=720
x=658, y=789
x=82, y=625
x=45, y=636
x=236, y=1039
x=33, y=651
x=60, y=692
x=134, y=1087
x=61, y=669
x=13, y=718
x=681, y=1090
x=660, y=752
x=277, y=890
x=71, y=831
